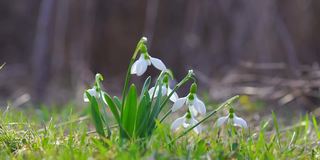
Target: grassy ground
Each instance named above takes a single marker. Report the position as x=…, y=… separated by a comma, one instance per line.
x=69, y=134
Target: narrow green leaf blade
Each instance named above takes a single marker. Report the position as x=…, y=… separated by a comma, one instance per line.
x=145, y=87
x=117, y=101
x=130, y=111
x=315, y=125
x=143, y=115
x=112, y=106
x=155, y=109
x=96, y=115
x=276, y=125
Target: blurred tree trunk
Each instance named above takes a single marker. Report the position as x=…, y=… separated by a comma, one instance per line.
x=80, y=46
x=62, y=48
x=75, y=38
x=41, y=49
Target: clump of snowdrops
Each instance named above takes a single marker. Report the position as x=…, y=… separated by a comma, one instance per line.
x=138, y=112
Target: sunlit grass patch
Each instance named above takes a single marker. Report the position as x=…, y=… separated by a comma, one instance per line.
x=26, y=136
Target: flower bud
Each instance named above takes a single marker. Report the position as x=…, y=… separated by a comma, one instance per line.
x=191, y=73
x=144, y=40
x=98, y=80
x=99, y=77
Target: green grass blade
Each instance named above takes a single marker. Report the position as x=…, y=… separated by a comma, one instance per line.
x=96, y=115
x=306, y=128
x=276, y=125
x=315, y=125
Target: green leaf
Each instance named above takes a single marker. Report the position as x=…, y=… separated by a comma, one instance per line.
x=117, y=101
x=155, y=109
x=128, y=117
x=96, y=115
x=107, y=99
x=143, y=115
x=145, y=87
x=170, y=73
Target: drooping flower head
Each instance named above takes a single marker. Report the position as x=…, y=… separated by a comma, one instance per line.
x=140, y=66
x=195, y=105
x=232, y=118
x=186, y=121
x=165, y=89
x=95, y=90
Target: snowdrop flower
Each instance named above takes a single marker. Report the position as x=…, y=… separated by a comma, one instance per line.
x=165, y=90
x=194, y=104
x=186, y=121
x=145, y=60
x=235, y=120
x=93, y=92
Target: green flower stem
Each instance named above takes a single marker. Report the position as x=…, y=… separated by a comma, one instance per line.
x=128, y=75
x=2, y=65
x=227, y=103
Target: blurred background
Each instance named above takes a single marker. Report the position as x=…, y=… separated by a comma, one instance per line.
x=268, y=50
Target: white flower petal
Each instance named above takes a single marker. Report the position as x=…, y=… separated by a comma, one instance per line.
x=151, y=90
x=199, y=105
x=174, y=96
x=134, y=66
x=177, y=123
x=237, y=121
x=221, y=120
x=185, y=124
x=193, y=111
x=189, y=102
x=93, y=92
x=164, y=91
x=141, y=67
x=197, y=129
x=158, y=64
x=85, y=98
x=178, y=104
